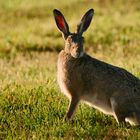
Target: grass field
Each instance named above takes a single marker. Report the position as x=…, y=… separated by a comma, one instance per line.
x=31, y=105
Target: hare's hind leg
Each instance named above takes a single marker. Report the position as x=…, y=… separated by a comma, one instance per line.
x=134, y=116
x=133, y=121
x=72, y=107
x=119, y=113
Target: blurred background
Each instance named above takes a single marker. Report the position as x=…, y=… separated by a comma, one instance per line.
x=29, y=46
x=27, y=27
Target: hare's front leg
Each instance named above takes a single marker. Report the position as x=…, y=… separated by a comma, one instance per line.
x=72, y=106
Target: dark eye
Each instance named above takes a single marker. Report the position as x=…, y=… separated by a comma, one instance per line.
x=69, y=39
x=68, y=42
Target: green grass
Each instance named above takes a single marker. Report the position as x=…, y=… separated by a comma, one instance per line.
x=31, y=105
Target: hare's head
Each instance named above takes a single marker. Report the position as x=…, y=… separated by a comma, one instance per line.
x=73, y=41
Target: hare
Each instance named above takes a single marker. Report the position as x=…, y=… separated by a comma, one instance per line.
x=108, y=88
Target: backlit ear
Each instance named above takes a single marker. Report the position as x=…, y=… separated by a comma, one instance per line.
x=85, y=21
x=61, y=22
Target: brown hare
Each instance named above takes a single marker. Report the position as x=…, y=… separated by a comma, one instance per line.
x=108, y=88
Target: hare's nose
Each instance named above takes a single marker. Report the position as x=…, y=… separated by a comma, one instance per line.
x=76, y=56
x=78, y=53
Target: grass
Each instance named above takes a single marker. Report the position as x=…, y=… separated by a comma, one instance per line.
x=31, y=105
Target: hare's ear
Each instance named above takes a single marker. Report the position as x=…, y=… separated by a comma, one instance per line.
x=85, y=21
x=61, y=22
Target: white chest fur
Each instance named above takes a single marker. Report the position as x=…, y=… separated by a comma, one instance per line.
x=62, y=85
x=61, y=76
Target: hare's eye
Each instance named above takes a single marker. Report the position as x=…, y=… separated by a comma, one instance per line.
x=69, y=39
x=68, y=43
